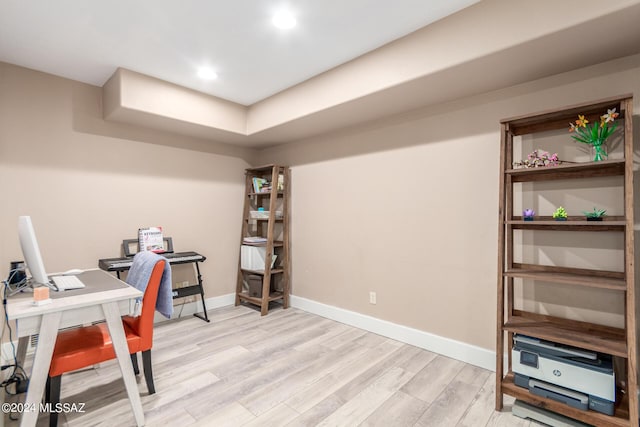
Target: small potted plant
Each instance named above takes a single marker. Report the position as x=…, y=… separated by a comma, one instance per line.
x=595, y=215
x=560, y=214
x=528, y=214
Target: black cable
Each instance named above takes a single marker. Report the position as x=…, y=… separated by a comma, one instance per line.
x=18, y=286
x=15, y=377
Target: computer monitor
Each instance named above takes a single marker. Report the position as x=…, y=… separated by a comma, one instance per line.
x=31, y=251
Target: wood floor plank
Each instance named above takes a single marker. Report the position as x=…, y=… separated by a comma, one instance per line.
x=177, y=373
x=370, y=340
x=232, y=389
x=433, y=378
x=318, y=391
x=231, y=415
x=348, y=335
x=181, y=387
x=175, y=417
x=253, y=362
x=356, y=410
x=400, y=410
x=333, y=330
x=224, y=341
x=507, y=419
x=318, y=412
x=417, y=362
x=277, y=416
x=482, y=405
x=150, y=403
x=281, y=389
x=304, y=330
x=450, y=405
x=396, y=359
x=287, y=368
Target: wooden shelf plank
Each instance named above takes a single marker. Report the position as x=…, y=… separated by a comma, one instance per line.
x=620, y=417
x=579, y=278
x=568, y=171
x=261, y=272
x=560, y=118
x=273, y=296
x=276, y=244
x=266, y=193
x=590, y=336
x=263, y=168
x=572, y=224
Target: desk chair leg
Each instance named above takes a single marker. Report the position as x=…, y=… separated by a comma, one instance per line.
x=148, y=372
x=53, y=397
x=134, y=362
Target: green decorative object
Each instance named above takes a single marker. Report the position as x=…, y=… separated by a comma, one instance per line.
x=595, y=134
x=560, y=214
x=595, y=215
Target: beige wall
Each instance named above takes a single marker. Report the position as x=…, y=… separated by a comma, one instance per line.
x=408, y=208
x=405, y=207
x=88, y=183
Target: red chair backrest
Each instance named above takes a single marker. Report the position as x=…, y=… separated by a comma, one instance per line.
x=143, y=325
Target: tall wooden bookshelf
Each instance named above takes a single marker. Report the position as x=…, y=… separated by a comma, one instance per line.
x=620, y=342
x=265, y=236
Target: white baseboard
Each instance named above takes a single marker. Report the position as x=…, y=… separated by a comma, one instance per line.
x=464, y=352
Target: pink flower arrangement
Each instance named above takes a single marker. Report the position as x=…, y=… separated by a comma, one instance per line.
x=539, y=158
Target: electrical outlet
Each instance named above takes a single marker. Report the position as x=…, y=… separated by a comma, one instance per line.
x=372, y=298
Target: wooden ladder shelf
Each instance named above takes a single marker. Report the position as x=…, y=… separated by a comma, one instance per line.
x=264, y=254
x=512, y=315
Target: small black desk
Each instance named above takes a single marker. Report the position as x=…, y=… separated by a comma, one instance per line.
x=123, y=264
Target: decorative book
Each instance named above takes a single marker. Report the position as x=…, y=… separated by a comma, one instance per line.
x=260, y=184
x=150, y=239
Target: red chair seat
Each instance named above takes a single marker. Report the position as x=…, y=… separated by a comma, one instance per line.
x=86, y=346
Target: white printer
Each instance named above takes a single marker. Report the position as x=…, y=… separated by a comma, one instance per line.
x=580, y=378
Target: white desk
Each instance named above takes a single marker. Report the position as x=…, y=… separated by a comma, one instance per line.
x=103, y=298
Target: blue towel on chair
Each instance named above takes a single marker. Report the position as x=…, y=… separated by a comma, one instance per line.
x=139, y=275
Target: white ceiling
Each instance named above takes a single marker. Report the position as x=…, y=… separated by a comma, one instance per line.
x=86, y=40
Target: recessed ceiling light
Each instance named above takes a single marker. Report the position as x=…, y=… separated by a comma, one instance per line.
x=284, y=20
x=207, y=73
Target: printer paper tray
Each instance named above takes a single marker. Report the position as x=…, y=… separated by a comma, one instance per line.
x=619, y=419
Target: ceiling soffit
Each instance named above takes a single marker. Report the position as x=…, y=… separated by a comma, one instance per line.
x=344, y=96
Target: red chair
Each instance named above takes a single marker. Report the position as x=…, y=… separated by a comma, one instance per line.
x=86, y=346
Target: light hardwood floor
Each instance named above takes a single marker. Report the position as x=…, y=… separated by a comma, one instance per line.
x=289, y=368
